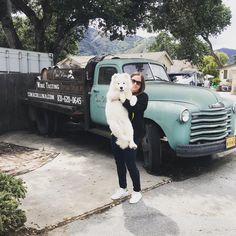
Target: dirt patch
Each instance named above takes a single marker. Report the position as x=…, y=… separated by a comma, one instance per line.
x=17, y=160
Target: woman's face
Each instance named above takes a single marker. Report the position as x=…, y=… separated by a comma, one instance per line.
x=136, y=83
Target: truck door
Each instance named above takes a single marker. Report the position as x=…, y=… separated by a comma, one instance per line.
x=102, y=78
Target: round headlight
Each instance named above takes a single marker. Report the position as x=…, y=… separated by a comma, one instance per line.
x=184, y=115
x=234, y=108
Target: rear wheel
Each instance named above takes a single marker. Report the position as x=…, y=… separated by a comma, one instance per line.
x=56, y=124
x=32, y=118
x=152, y=151
x=44, y=122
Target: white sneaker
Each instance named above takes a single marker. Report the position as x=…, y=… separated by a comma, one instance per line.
x=120, y=193
x=135, y=197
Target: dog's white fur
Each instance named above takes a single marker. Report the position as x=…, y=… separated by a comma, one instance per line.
x=116, y=113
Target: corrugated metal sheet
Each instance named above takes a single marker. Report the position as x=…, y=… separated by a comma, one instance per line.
x=21, y=61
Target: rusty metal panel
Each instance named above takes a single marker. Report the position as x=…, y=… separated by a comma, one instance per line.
x=58, y=88
x=64, y=74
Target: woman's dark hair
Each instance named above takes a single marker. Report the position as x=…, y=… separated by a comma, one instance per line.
x=142, y=87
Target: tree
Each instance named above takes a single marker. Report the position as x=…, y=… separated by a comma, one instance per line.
x=191, y=49
x=7, y=25
x=165, y=42
x=54, y=24
x=188, y=20
x=209, y=65
x=3, y=41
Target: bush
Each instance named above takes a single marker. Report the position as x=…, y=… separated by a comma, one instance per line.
x=215, y=81
x=11, y=191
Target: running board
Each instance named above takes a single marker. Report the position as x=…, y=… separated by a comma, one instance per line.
x=101, y=132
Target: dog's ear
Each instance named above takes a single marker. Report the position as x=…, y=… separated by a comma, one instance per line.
x=115, y=76
x=128, y=80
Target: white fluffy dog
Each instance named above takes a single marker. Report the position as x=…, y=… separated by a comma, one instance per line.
x=116, y=113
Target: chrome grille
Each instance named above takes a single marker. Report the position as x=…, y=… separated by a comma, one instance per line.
x=210, y=125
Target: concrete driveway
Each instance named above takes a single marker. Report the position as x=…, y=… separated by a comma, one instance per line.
x=202, y=204
x=76, y=183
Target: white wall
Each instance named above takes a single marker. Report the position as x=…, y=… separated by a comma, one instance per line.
x=14, y=60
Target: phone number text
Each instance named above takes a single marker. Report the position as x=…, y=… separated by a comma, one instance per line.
x=69, y=99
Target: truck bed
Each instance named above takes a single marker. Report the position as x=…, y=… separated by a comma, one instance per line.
x=62, y=92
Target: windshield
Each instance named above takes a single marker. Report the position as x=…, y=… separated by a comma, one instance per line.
x=150, y=71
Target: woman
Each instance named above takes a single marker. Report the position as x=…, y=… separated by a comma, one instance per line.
x=126, y=158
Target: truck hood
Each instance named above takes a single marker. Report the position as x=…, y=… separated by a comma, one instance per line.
x=189, y=96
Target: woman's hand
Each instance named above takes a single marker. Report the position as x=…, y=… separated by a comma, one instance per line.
x=133, y=100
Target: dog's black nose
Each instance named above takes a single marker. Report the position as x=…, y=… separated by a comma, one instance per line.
x=121, y=89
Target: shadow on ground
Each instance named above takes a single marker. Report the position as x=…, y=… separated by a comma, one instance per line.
x=178, y=169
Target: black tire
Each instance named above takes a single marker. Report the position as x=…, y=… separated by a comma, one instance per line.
x=56, y=124
x=43, y=122
x=152, y=151
x=32, y=119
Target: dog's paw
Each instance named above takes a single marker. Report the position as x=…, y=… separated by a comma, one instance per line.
x=122, y=144
x=132, y=145
x=122, y=97
x=128, y=95
x=133, y=100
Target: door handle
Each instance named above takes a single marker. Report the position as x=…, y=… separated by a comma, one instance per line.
x=95, y=91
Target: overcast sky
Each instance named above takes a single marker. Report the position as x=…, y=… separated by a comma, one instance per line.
x=227, y=39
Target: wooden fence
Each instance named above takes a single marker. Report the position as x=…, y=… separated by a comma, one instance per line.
x=13, y=113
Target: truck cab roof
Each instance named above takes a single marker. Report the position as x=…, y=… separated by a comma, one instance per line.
x=122, y=61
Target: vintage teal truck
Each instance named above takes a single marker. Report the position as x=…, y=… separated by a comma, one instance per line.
x=192, y=121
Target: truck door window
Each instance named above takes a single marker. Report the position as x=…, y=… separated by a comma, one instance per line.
x=105, y=74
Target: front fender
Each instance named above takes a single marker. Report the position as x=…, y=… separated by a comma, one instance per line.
x=167, y=116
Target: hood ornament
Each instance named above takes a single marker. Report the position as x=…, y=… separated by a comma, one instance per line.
x=217, y=105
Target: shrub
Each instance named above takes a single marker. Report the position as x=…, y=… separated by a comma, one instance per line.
x=11, y=191
x=215, y=81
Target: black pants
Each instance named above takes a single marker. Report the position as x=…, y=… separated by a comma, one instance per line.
x=126, y=159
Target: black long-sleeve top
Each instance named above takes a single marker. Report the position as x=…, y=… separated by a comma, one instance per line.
x=136, y=114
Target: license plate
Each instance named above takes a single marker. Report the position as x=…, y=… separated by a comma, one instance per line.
x=230, y=142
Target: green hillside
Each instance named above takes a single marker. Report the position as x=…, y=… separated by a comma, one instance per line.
x=95, y=44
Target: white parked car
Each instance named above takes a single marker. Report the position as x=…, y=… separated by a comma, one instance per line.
x=187, y=77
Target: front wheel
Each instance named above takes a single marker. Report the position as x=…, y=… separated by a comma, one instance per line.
x=151, y=145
